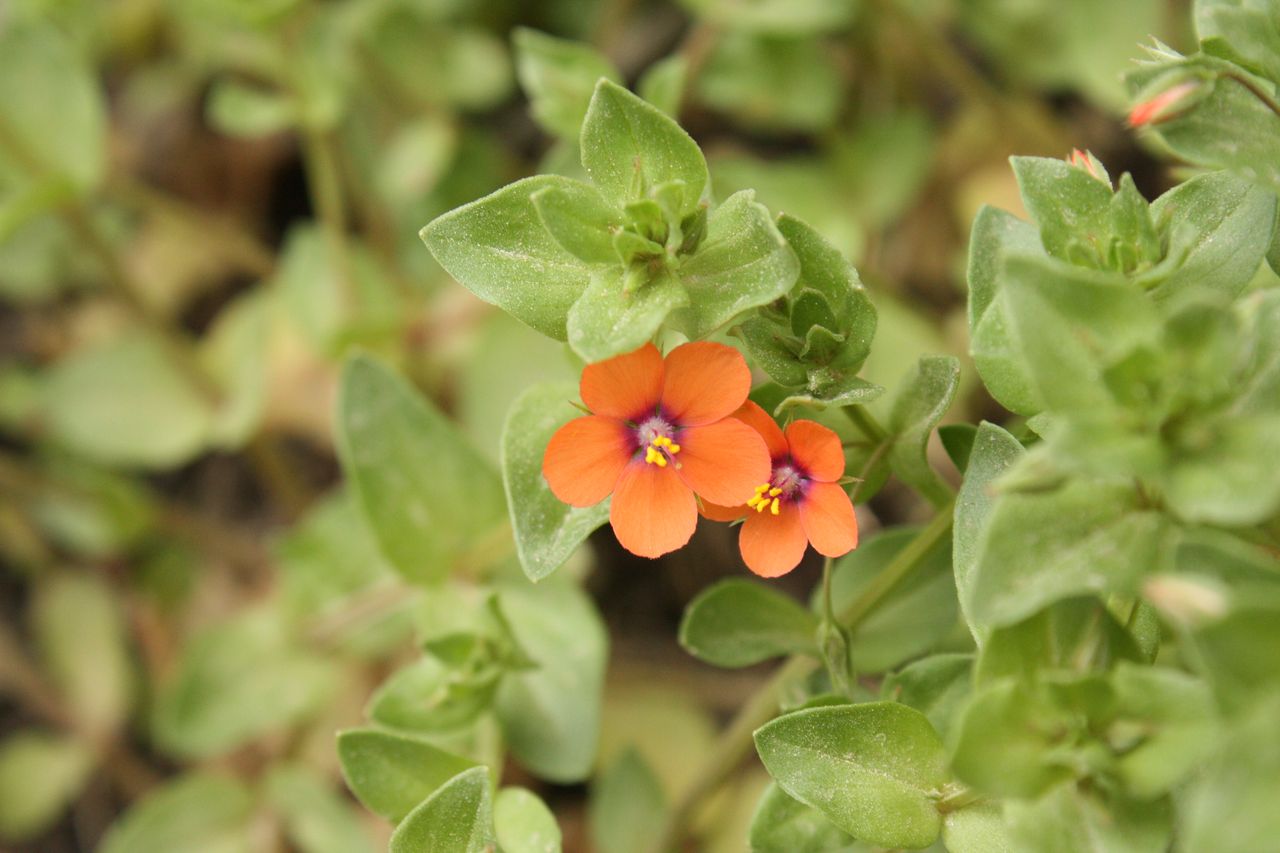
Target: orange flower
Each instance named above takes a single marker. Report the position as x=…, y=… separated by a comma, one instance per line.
x=800, y=504
x=659, y=432
x=1163, y=106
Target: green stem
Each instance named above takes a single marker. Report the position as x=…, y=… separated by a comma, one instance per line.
x=324, y=180
x=736, y=740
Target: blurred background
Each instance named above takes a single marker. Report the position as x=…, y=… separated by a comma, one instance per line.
x=204, y=204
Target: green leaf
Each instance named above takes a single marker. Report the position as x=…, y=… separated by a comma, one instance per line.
x=916, y=615
x=457, y=818
x=579, y=220
x=824, y=269
x=124, y=402
x=1005, y=740
x=852, y=391
x=235, y=682
x=1232, y=803
x=923, y=398
x=427, y=495
x=498, y=249
x=234, y=354
x=40, y=775
x=196, y=813
x=744, y=263
x=978, y=828
x=83, y=641
x=1217, y=228
x=1225, y=125
x=663, y=83
x=936, y=686
x=630, y=147
x=1037, y=548
x=547, y=530
x=316, y=818
x=773, y=84
x=1165, y=725
x=524, y=823
x=738, y=622
x=55, y=113
x=994, y=451
x=874, y=770
x=1069, y=820
x=608, y=320
x=957, y=440
x=550, y=715
x=425, y=696
x=1073, y=323
x=1070, y=206
x=782, y=824
x=249, y=111
x=559, y=76
x=392, y=773
x=627, y=806
x=993, y=339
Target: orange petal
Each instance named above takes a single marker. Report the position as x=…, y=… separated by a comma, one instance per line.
x=817, y=450
x=653, y=511
x=772, y=545
x=723, y=462
x=715, y=512
x=760, y=421
x=827, y=515
x=625, y=387
x=703, y=383
x=584, y=458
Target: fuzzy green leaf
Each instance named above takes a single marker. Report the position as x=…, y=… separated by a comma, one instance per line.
x=874, y=770
x=392, y=773
x=524, y=823
x=427, y=495
x=559, y=76
x=608, y=321
x=457, y=818
x=738, y=622
x=498, y=249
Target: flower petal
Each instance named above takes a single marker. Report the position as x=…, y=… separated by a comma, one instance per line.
x=584, y=458
x=625, y=387
x=817, y=450
x=716, y=512
x=762, y=422
x=653, y=511
x=829, y=521
x=722, y=462
x=772, y=545
x=703, y=383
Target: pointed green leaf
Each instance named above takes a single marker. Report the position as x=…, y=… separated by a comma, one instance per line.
x=196, y=813
x=547, y=530
x=609, y=321
x=579, y=220
x=627, y=805
x=498, y=249
x=392, y=773
x=630, y=147
x=923, y=398
x=744, y=263
x=457, y=818
x=559, y=76
x=427, y=495
x=782, y=824
x=524, y=823
x=739, y=622
x=40, y=775
x=874, y=770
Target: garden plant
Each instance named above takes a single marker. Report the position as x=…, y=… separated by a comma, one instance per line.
x=788, y=426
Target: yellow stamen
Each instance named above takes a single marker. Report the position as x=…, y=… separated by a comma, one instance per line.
x=659, y=450
x=774, y=492
x=773, y=507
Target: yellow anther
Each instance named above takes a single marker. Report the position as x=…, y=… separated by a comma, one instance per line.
x=773, y=507
x=655, y=457
x=760, y=490
x=774, y=492
x=674, y=448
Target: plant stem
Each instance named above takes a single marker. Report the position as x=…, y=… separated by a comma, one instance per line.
x=324, y=180
x=736, y=740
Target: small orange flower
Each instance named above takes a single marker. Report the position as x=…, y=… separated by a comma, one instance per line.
x=800, y=504
x=659, y=432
